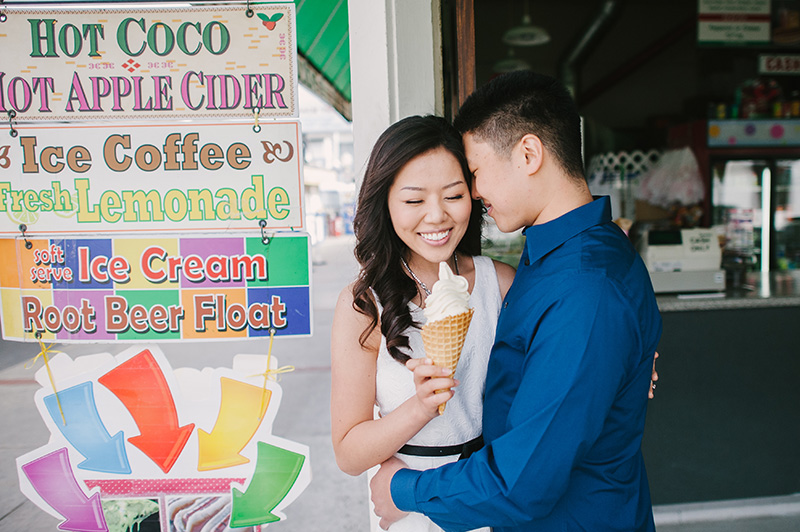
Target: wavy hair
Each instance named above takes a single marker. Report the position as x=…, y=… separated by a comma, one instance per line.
x=378, y=249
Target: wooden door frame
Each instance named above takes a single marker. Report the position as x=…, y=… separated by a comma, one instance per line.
x=465, y=49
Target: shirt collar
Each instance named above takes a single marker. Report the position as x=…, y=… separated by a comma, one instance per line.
x=542, y=239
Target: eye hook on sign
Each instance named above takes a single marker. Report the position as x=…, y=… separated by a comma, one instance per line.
x=265, y=238
x=22, y=229
x=256, y=112
x=249, y=11
x=12, y=114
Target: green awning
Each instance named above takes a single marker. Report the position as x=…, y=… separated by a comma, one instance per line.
x=323, y=49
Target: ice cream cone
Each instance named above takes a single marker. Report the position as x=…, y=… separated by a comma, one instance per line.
x=443, y=340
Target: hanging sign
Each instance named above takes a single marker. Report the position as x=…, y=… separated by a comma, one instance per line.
x=155, y=289
x=158, y=62
x=733, y=22
x=83, y=178
x=133, y=439
x=779, y=64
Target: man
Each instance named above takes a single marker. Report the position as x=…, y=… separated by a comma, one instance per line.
x=566, y=390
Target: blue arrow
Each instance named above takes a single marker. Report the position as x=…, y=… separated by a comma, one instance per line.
x=84, y=430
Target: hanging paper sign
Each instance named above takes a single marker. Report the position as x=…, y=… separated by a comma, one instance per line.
x=749, y=133
x=159, y=62
x=132, y=439
x=155, y=289
x=779, y=64
x=733, y=22
x=83, y=178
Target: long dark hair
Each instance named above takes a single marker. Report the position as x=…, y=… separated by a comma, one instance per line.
x=378, y=248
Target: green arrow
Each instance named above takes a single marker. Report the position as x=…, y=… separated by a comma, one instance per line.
x=275, y=474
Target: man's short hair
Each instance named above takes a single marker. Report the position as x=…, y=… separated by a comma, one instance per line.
x=515, y=104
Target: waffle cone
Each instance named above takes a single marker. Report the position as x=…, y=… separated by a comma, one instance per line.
x=444, y=339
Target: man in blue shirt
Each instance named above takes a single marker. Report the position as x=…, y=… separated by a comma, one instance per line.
x=566, y=390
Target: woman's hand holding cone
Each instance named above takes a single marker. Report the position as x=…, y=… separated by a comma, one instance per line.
x=433, y=384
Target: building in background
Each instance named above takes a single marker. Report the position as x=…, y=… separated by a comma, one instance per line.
x=329, y=171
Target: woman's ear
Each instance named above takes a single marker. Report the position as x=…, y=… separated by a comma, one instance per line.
x=533, y=151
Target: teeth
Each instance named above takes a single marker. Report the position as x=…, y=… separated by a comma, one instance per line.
x=434, y=237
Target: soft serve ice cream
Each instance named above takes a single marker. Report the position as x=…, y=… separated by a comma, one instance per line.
x=449, y=295
x=448, y=317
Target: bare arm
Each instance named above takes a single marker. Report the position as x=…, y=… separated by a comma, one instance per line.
x=359, y=441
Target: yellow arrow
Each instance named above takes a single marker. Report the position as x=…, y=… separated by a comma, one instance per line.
x=241, y=411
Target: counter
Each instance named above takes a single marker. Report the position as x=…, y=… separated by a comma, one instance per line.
x=760, y=290
x=725, y=422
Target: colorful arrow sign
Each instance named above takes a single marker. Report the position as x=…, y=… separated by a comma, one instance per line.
x=141, y=386
x=51, y=476
x=241, y=411
x=276, y=472
x=84, y=430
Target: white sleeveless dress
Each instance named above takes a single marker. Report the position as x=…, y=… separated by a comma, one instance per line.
x=461, y=421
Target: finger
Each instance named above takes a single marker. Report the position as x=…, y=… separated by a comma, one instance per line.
x=384, y=524
x=413, y=363
x=441, y=383
x=424, y=370
x=423, y=374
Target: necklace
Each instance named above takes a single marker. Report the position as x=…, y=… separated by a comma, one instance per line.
x=418, y=280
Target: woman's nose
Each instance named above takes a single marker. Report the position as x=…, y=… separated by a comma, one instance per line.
x=435, y=213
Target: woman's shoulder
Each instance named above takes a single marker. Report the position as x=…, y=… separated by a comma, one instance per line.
x=349, y=322
x=505, y=275
x=345, y=304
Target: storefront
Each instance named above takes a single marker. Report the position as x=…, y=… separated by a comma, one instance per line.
x=651, y=77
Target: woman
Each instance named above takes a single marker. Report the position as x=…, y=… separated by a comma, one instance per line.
x=414, y=211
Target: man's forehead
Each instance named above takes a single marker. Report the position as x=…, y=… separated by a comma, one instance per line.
x=473, y=144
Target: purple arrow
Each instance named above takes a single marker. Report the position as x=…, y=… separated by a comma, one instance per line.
x=52, y=478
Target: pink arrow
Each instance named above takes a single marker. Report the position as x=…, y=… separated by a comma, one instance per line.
x=52, y=478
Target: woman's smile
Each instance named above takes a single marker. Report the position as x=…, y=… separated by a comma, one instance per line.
x=438, y=238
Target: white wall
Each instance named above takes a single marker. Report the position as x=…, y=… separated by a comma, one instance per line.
x=395, y=66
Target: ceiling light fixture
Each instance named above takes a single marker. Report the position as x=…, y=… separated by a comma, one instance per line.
x=510, y=64
x=526, y=34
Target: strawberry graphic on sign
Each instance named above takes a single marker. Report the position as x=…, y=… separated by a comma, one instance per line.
x=269, y=22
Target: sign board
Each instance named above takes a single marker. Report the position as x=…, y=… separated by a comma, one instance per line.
x=778, y=64
x=733, y=22
x=166, y=62
x=155, y=289
x=133, y=177
x=781, y=133
x=131, y=437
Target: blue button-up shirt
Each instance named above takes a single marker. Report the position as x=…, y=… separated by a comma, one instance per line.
x=566, y=393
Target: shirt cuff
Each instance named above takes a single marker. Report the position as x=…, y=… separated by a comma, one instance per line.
x=402, y=488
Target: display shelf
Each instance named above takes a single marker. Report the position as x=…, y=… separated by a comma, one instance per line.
x=746, y=133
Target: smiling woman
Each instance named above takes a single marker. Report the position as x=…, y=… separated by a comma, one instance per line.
x=415, y=212
x=430, y=207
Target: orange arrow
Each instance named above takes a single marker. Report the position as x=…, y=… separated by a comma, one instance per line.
x=141, y=386
x=241, y=411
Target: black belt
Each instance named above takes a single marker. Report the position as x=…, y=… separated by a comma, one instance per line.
x=464, y=449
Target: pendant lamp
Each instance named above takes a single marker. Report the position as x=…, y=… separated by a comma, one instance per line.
x=526, y=34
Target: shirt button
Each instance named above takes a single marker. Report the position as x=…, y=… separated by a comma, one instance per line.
x=527, y=262
x=505, y=304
